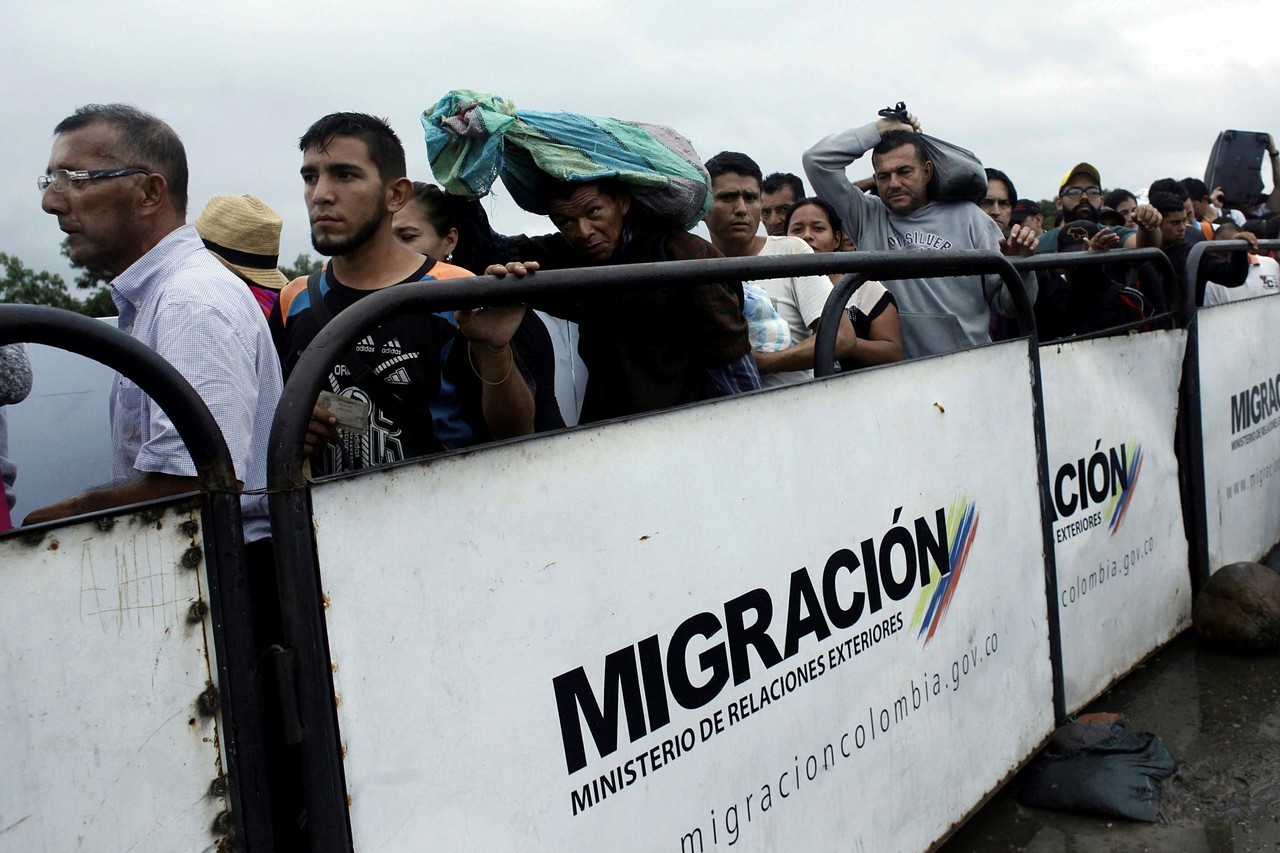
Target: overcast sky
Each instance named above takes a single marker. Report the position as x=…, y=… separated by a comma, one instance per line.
x=1140, y=90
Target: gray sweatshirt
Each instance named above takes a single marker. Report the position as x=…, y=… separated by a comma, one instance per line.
x=15, y=384
x=937, y=314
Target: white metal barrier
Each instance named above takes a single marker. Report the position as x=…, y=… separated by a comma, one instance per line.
x=712, y=627
x=1124, y=588
x=1239, y=412
x=709, y=627
x=108, y=734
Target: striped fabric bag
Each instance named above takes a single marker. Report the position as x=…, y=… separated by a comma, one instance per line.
x=474, y=138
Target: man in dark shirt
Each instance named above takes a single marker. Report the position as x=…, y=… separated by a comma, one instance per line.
x=427, y=383
x=645, y=349
x=1227, y=270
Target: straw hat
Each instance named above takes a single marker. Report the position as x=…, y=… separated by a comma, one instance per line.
x=244, y=234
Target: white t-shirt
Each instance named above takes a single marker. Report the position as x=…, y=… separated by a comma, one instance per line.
x=1263, y=280
x=798, y=299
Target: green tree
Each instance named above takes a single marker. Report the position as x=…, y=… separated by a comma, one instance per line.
x=303, y=265
x=28, y=287
x=99, y=304
x=1050, y=211
x=23, y=285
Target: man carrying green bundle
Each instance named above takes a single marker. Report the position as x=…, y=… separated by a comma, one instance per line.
x=617, y=193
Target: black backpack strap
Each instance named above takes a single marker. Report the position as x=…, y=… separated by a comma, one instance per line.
x=321, y=311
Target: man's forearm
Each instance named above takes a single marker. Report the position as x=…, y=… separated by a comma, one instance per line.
x=798, y=357
x=1147, y=239
x=146, y=488
x=505, y=401
x=825, y=164
x=801, y=356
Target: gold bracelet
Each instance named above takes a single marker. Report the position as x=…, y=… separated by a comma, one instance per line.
x=511, y=365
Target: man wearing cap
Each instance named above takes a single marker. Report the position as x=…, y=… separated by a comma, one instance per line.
x=1029, y=215
x=117, y=182
x=1080, y=198
x=243, y=233
x=1082, y=299
x=938, y=314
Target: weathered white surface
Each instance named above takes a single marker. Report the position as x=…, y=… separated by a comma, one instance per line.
x=1240, y=353
x=1123, y=584
x=459, y=589
x=102, y=746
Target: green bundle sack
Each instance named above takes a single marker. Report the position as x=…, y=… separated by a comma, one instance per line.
x=474, y=138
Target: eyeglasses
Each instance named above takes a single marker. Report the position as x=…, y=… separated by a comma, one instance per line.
x=61, y=180
x=1075, y=192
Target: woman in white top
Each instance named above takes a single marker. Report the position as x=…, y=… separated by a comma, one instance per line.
x=872, y=308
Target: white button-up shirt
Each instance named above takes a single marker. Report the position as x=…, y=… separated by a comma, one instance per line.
x=180, y=301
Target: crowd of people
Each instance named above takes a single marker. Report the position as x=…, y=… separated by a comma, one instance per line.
x=210, y=299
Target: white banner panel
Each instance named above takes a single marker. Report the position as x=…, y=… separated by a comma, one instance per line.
x=1124, y=588
x=1239, y=413
x=103, y=743
x=809, y=618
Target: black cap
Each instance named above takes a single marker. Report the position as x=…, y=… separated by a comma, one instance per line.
x=1110, y=216
x=1072, y=236
x=1024, y=208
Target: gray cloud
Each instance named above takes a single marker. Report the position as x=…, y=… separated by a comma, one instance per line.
x=1032, y=89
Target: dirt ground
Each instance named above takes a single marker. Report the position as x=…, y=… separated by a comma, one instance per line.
x=1220, y=717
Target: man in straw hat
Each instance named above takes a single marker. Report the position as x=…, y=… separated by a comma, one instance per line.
x=244, y=233
x=117, y=182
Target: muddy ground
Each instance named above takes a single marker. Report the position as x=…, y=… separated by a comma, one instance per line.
x=1220, y=716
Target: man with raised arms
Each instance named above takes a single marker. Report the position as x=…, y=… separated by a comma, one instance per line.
x=938, y=314
x=1080, y=197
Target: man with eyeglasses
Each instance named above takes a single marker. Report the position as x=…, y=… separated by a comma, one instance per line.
x=117, y=182
x=1080, y=198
